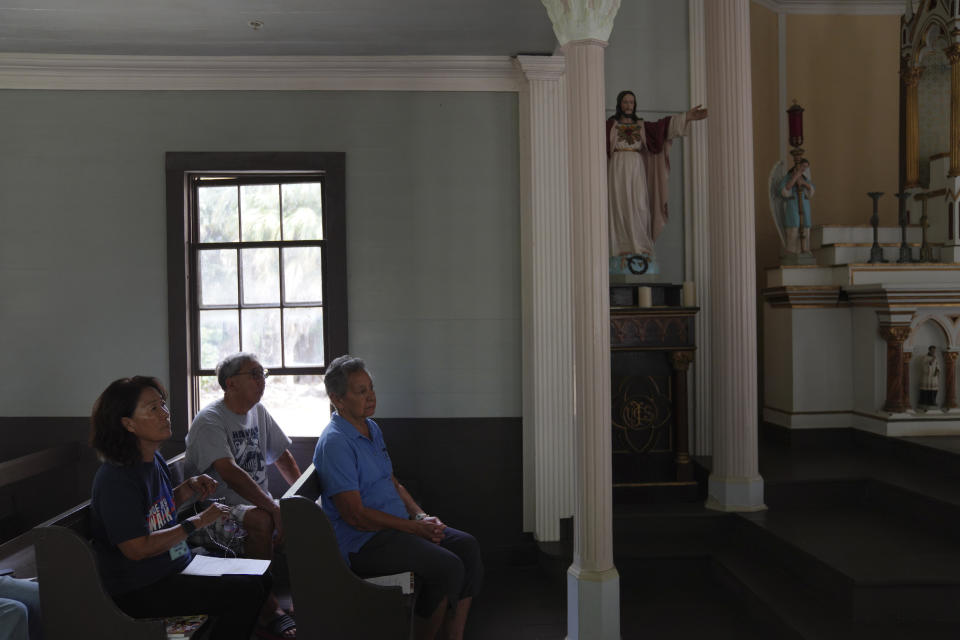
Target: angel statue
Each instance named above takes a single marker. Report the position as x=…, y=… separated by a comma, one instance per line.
x=790, y=193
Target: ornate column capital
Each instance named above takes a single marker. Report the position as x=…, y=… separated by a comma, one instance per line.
x=582, y=19
x=911, y=75
x=950, y=357
x=953, y=53
x=681, y=360
x=895, y=333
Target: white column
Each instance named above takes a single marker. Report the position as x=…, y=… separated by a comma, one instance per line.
x=547, y=322
x=593, y=585
x=698, y=244
x=735, y=484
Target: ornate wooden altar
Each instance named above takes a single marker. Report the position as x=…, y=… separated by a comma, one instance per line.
x=930, y=118
x=651, y=351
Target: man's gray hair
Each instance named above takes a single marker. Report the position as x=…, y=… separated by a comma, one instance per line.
x=338, y=374
x=231, y=365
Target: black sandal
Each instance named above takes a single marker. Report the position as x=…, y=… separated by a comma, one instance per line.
x=277, y=628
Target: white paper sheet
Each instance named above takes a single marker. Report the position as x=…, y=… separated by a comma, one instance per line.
x=213, y=566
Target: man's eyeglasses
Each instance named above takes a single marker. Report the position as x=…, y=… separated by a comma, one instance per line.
x=256, y=374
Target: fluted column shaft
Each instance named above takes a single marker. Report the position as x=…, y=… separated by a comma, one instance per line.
x=593, y=519
x=950, y=379
x=735, y=483
x=953, y=53
x=593, y=585
x=910, y=77
x=696, y=151
x=894, y=335
x=905, y=380
x=547, y=323
x=681, y=363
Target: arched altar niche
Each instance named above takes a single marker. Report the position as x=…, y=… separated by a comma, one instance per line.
x=933, y=110
x=929, y=332
x=930, y=117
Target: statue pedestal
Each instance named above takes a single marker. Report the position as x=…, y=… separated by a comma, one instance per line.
x=632, y=269
x=834, y=342
x=950, y=252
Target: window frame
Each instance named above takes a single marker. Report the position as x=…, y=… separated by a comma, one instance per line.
x=181, y=169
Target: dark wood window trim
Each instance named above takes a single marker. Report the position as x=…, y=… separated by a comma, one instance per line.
x=180, y=166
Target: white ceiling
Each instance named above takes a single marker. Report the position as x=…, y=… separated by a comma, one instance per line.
x=290, y=27
x=308, y=27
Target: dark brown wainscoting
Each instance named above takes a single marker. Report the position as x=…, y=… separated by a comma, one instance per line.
x=64, y=473
x=468, y=471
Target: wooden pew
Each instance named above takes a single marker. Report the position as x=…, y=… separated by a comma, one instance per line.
x=20, y=504
x=332, y=603
x=72, y=597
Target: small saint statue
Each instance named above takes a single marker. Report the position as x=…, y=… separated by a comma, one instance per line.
x=930, y=382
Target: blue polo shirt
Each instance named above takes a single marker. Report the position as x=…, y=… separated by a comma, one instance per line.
x=345, y=460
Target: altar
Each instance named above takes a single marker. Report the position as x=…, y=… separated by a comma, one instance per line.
x=851, y=336
x=844, y=344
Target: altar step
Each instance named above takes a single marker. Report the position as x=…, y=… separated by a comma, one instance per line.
x=823, y=565
x=799, y=611
x=837, y=254
x=861, y=540
x=826, y=235
x=836, y=245
x=864, y=549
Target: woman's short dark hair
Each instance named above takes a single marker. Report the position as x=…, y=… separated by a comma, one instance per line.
x=338, y=374
x=119, y=400
x=620, y=114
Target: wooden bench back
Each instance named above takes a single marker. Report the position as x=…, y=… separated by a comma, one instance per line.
x=331, y=601
x=72, y=596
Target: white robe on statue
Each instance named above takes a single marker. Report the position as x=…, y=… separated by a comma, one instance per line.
x=637, y=185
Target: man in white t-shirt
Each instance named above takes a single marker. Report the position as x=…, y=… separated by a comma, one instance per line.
x=233, y=440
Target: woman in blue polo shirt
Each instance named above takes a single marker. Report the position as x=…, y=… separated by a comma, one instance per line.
x=380, y=528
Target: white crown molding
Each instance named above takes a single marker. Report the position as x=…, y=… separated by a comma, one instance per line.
x=260, y=73
x=836, y=7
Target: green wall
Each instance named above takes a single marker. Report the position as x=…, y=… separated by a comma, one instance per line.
x=649, y=55
x=432, y=236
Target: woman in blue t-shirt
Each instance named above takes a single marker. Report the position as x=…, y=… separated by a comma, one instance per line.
x=141, y=548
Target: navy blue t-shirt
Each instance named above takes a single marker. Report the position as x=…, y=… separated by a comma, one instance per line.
x=130, y=501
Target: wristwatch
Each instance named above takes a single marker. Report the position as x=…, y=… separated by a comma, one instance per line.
x=420, y=516
x=188, y=526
